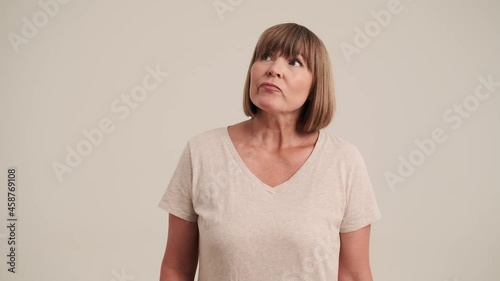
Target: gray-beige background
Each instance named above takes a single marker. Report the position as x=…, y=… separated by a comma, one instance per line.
x=98, y=98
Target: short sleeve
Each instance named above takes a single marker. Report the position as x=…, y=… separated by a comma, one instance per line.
x=177, y=198
x=361, y=205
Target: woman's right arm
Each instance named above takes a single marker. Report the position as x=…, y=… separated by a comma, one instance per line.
x=181, y=253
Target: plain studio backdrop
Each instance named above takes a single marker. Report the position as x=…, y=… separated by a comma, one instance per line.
x=98, y=98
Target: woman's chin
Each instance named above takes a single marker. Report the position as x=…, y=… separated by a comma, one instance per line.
x=268, y=107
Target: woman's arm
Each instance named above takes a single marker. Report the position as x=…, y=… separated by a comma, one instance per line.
x=354, y=260
x=181, y=253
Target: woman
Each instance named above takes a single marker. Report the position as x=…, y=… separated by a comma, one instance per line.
x=274, y=197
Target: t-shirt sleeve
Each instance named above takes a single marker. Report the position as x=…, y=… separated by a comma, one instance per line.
x=361, y=205
x=177, y=198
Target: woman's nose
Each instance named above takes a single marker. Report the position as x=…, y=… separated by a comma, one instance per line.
x=273, y=72
x=275, y=69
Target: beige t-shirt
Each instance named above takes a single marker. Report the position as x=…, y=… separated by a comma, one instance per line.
x=250, y=231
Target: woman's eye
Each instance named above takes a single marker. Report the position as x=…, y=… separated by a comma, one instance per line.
x=296, y=62
x=266, y=57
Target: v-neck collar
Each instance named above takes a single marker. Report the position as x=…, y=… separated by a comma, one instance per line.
x=318, y=146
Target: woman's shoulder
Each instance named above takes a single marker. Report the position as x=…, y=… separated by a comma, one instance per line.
x=207, y=136
x=339, y=144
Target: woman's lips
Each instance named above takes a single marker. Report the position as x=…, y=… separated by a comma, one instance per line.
x=270, y=86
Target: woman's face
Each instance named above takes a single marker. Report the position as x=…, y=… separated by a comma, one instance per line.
x=291, y=78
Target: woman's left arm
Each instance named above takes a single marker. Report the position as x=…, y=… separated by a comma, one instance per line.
x=354, y=259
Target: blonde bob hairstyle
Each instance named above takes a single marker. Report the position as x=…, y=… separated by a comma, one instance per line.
x=291, y=40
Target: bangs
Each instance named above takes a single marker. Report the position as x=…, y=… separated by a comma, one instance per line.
x=289, y=41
